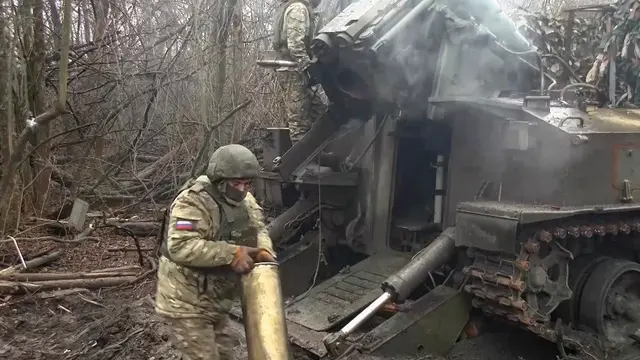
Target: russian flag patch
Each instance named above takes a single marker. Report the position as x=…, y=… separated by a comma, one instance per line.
x=185, y=225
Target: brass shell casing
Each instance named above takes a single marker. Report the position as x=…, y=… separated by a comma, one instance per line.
x=263, y=313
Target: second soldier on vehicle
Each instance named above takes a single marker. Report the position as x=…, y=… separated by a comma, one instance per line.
x=293, y=30
x=214, y=232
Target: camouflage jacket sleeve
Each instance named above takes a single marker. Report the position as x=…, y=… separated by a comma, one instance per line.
x=297, y=21
x=194, y=219
x=256, y=221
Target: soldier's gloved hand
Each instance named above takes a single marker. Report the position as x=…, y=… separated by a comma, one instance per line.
x=303, y=68
x=303, y=65
x=264, y=256
x=243, y=259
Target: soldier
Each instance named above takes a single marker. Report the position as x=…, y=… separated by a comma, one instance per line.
x=294, y=28
x=214, y=232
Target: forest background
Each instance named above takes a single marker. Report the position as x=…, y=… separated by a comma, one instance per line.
x=120, y=101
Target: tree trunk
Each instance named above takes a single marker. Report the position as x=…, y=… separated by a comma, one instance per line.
x=6, y=125
x=9, y=209
x=44, y=118
x=86, y=22
x=101, y=13
x=22, y=288
x=57, y=24
x=220, y=37
x=35, y=76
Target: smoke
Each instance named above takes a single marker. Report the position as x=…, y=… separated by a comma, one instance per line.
x=411, y=51
x=329, y=9
x=457, y=35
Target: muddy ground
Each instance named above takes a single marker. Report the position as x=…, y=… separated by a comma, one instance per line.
x=120, y=323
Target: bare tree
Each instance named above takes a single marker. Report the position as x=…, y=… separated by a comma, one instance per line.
x=37, y=126
x=153, y=88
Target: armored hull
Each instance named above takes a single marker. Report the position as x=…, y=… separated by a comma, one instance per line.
x=441, y=118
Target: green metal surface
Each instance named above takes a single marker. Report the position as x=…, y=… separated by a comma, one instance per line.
x=431, y=326
x=346, y=293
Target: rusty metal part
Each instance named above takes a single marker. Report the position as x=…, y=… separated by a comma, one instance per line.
x=559, y=233
x=527, y=288
x=522, y=289
x=389, y=308
x=573, y=231
x=263, y=314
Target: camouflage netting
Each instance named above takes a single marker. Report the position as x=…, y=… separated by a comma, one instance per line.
x=626, y=34
x=548, y=35
x=586, y=51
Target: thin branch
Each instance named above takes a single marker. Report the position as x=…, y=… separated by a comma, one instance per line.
x=207, y=139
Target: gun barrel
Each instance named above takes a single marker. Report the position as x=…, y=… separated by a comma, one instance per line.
x=276, y=63
x=263, y=312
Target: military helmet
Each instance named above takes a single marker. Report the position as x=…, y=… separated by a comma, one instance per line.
x=232, y=162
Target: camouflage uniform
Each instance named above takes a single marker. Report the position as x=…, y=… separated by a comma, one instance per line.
x=196, y=285
x=294, y=30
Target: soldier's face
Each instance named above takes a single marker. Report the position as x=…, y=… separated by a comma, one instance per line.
x=236, y=189
x=241, y=185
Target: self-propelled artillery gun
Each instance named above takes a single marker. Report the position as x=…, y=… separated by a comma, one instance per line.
x=451, y=173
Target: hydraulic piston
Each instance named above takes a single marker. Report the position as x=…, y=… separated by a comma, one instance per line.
x=400, y=285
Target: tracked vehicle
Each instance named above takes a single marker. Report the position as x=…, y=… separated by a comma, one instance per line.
x=450, y=173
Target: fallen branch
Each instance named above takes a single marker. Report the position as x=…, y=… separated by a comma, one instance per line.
x=16, y=288
x=33, y=263
x=60, y=226
x=138, y=228
x=135, y=268
x=129, y=208
x=62, y=276
x=153, y=269
x=60, y=293
x=40, y=253
x=91, y=301
x=50, y=257
x=54, y=238
x=84, y=235
x=151, y=169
